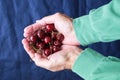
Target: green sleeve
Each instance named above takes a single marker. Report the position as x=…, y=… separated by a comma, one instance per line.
x=91, y=65
x=101, y=25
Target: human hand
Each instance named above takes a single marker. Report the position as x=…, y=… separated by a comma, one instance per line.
x=62, y=23
x=60, y=60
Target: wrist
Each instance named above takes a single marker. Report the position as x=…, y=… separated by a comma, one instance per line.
x=74, y=37
x=72, y=57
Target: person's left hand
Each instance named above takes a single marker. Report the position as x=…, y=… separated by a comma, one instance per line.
x=63, y=59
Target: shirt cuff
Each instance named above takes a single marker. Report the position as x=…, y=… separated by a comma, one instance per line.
x=86, y=62
x=84, y=32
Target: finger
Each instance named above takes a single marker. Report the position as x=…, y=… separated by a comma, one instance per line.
x=41, y=61
x=65, y=46
x=47, y=20
x=28, y=49
x=68, y=47
x=27, y=31
x=30, y=29
x=38, y=56
x=54, y=69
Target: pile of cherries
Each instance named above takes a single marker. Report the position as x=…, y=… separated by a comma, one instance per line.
x=46, y=41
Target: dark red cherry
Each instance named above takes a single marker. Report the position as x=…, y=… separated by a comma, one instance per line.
x=56, y=48
x=40, y=45
x=57, y=43
x=50, y=27
x=41, y=34
x=28, y=39
x=60, y=37
x=47, y=39
x=53, y=35
x=33, y=38
x=47, y=52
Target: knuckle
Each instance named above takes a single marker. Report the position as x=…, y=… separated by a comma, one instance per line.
x=58, y=14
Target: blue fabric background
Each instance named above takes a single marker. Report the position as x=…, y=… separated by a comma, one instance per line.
x=15, y=15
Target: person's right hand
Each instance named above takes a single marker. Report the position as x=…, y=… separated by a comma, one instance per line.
x=62, y=23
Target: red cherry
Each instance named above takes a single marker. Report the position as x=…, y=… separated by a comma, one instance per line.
x=37, y=45
x=50, y=27
x=47, y=52
x=47, y=39
x=33, y=38
x=28, y=39
x=60, y=37
x=40, y=45
x=41, y=34
x=57, y=43
x=56, y=48
x=53, y=35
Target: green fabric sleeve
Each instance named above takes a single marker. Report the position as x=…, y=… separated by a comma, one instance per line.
x=91, y=65
x=101, y=25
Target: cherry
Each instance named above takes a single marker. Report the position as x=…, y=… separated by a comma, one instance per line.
x=56, y=48
x=50, y=27
x=57, y=43
x=28, y=39
x=47, y=39
x=48, y=34
x=33, y=39
x=37, y=45
x=47, y=52
x=40, y=45
x=41, y=34
x=60, y=37
x=53, y=35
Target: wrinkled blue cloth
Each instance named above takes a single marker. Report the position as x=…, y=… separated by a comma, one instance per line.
x=15, y=15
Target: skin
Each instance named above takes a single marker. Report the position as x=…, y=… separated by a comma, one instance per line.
x=63, y=59
x=62, y=23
